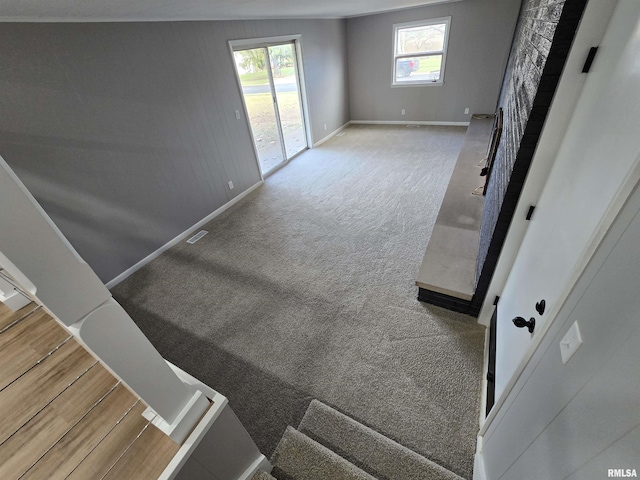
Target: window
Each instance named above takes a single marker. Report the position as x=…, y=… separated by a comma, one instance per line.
x=419, y=52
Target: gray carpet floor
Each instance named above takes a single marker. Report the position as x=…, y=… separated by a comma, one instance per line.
x=305, y=289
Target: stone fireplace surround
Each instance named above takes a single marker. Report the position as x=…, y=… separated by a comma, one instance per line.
x=541, y=44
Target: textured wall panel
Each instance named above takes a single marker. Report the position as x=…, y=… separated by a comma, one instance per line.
x=126, y=132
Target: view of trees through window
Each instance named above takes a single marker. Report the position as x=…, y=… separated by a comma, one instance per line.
x=254, y=60
x=421, y=39
x=271, y=128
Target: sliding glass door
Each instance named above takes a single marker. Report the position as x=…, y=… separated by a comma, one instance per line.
x=285, y=77
x=270, y=84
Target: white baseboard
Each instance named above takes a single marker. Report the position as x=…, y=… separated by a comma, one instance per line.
x=260, y=463
x=130, y=271
x=408, y=122
x=332, y=134
x=479, y=472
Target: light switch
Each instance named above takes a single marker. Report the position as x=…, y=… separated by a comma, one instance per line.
x=570, y=342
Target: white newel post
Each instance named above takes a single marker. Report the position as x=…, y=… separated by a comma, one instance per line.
x=36, y=254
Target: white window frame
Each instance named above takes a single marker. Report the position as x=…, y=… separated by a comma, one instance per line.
x=420, y=23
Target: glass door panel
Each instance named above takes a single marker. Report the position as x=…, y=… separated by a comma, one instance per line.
x=255, y=80
x=282, y=59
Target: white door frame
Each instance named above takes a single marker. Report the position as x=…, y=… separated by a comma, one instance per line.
x=590, y=32
x=249, y=43
x=594, y=23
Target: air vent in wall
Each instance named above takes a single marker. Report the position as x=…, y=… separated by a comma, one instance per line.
x=197, y=236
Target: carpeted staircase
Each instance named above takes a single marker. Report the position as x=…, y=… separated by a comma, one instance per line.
x=331, y=445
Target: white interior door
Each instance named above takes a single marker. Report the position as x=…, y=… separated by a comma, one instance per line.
x=594, y=172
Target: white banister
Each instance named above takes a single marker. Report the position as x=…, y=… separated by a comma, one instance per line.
x=34, y=252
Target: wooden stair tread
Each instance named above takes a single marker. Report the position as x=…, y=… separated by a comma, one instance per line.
x=34, y=390
x=109, y=450
x=8, y=316
x=49, y=425
x=63, y=414
x=27, y=342
x=146, y=458
x=71, y=449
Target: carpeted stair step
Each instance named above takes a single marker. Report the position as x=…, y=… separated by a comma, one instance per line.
x=262, y=475
x=297, y=457
x=371, y=451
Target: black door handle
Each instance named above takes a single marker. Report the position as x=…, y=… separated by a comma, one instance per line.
x=521, y=323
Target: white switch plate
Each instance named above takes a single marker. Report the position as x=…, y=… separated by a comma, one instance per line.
x=238, y=114
x=570, y=342
x=466, y=111
x=403, y=111
x=230, y=185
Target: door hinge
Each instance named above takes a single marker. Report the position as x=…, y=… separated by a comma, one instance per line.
x=530, y=212
x=496, y=300
x=590, y=56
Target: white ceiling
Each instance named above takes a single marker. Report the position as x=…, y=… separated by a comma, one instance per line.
x=162, y=10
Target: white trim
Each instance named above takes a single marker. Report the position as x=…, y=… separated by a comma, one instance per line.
x=597, y=237
x=485, y=382
x=592, y=26
x=192, y=441
x=332, y=134
x=260, y=463
x=190, y=444
x=152, y=256
x=182, y=426
x=220, y=402
x=248, y=43
x=408, y=122
x=478, y=460
x=479, y=473
x=417, y=84
x=591, y=31
x=203, y=387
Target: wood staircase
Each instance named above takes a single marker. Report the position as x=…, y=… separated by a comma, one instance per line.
x=62, y=414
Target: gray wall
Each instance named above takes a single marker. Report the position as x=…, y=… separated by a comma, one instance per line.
x=479, y=42
x=126, y=132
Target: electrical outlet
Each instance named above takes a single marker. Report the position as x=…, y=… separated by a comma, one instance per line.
x=403, y=111
x=238, y=114
x=570, y=342
x=230, y=185
x=325, y=127
x=466, y=111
